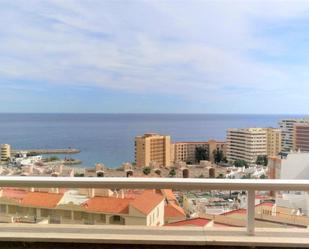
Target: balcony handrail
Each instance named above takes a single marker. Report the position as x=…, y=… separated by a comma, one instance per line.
x=249, y=185
x=155, y=183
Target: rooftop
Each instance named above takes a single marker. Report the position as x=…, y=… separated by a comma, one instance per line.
x=195, y=222
x=172, y=210
x=146, y=202
x=41, y=199
x=108, y=205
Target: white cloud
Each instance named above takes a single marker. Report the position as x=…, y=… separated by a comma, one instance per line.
x=191, y=49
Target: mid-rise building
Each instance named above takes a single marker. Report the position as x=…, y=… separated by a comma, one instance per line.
x=287, y=132
x=153, y=149
x=301, y=137
x=249, y=143
x=185, y=151
x=274, y=142
x=5, y=152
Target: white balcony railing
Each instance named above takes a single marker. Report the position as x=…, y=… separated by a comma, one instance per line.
x=165, y=183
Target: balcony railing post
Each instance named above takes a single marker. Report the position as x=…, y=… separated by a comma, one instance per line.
x=250, y=211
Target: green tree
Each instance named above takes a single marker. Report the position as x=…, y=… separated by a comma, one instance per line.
x=201, y=154
x=53, y=158
x=218, y=155
x=240, y=163
x=172, y=172
x=79, y=174
x=220, y=176
x=262, y=160
x=146, y=170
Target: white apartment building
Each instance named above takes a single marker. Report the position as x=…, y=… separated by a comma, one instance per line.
x=287, y=132
x=293, y=166
x=248, y=143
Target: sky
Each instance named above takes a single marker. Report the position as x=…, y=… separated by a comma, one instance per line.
x=155, y=56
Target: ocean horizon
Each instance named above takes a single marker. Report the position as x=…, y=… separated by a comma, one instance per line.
x=109, y=137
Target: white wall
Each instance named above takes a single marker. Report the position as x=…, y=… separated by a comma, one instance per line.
x=294, y=201
x=295, y=166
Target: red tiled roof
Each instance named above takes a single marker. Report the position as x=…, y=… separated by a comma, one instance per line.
x=108, y=205
x=172, y=210
x=198, y=222
x=40, y=199
x=13, y=193
x=144, y=202
x=147, y=201
x=168, y=194
x=237, y=211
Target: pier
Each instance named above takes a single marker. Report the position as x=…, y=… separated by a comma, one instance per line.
x=47, y=151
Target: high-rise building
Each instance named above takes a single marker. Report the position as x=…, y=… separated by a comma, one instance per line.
x=153, y=149
x=273, y=141
x=247, y=144
x=287, y=132
x=301, y=137
x=185, y=151
x=5, y=152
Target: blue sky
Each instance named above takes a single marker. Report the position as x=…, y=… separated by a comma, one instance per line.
x=160, y=56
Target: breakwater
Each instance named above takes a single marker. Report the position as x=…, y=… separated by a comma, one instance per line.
x=47, y=151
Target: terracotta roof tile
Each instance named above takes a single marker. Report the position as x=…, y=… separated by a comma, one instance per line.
x=13, y=193
x=169, y=194
x=147, y=201
x=236, y=211
x=198, y=222
x=172, y=210
x=108, y=205
x=40, y=199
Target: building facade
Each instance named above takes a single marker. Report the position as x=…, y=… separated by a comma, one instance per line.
x=293, y=166
x=287, y=133
x=5, y=152
x=153, y=149
x=72, y=207
x=185, y=151
x=247, y=144
x=274, y=143
x=301, y=137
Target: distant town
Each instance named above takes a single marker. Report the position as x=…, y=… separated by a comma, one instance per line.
x=248, y=153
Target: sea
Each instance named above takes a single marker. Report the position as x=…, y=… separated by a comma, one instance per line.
x=109, y=138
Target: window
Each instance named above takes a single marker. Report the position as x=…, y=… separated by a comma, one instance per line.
x=116, y=218
x=45, y=212
x=103, y=217
x=2, y=208
x=12, y=209
x=32, y=211
x=86, y=216
x=67, y=214
x=77, y=215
